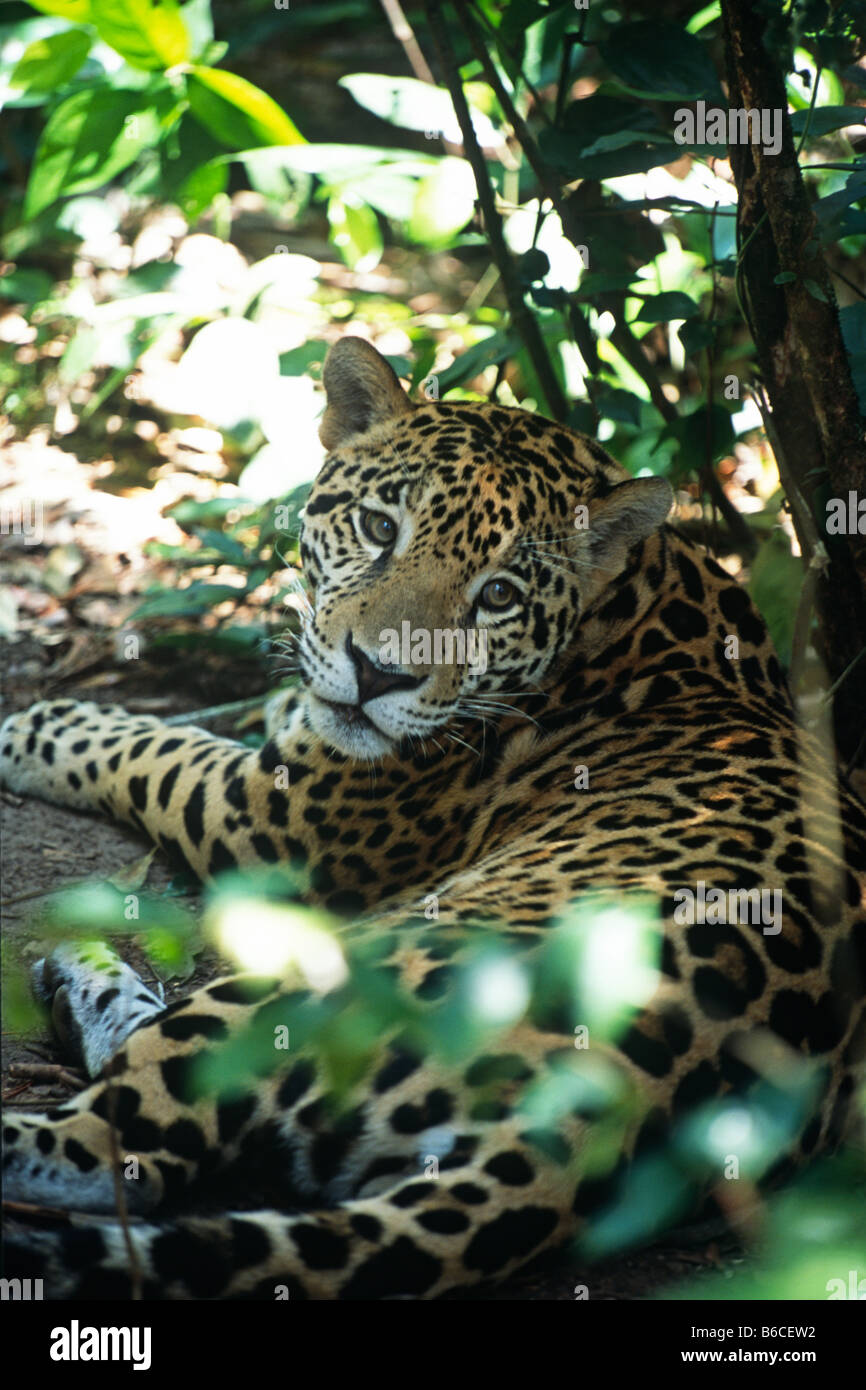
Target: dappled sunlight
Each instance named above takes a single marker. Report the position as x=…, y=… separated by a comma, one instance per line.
x=269, y=940
x=498, y=992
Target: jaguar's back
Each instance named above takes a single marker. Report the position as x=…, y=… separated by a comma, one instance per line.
x=520, y=689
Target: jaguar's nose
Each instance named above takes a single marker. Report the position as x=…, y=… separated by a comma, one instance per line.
x=373, y=680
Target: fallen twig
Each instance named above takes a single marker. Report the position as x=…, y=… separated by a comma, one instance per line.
x=47, y=1073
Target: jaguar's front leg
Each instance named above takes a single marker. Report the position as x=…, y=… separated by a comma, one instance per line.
x=145, y=1118
x=95, y=1000
x=209, y=802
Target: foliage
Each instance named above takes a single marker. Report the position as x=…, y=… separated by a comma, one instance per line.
x=630, y=274
x=134, y=75
x=257, y=541
x=812, y=1245
x=257, y=920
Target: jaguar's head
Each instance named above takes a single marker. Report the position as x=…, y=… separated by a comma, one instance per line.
x=450, y=551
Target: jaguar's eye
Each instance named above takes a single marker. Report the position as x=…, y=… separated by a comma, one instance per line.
x=378, y=527
x=497, y=594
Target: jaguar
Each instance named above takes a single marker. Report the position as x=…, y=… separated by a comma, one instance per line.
x=630, y=734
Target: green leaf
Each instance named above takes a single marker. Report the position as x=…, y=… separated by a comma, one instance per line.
x=653, y=1194
x=827, y=118
x=832, y=210
x=188, y=512
x=79, y=354
x=704, y=17
x=815, y=290
x=179, y=159
x=233, y=640
x=444, y=203
x=305, y=360
x=76, y=11
x=415, y=105
x=199, y=22
x=613, y=403
x=399, y=363
x=284, y=188
x=344, y=164
x=149, y=34
x=624, y=140
x=48, y=63
x=355, y=232
x=583, y=418
x=469, y=364
x=231, y=550
x=90, y=137
x=198, y=190
x=592, y=118
x=295, y=501
x=604, y=136
x=702, y=437
x=661, y=61
x=661, y=308
x=237, y=113
x=696, y=334
x=425, y=355
x=21, y=1013
x=785, y=277
x=852, y=321
x=602, y=282
x=388, y=190
x=812, y=1238
x=562, y=150
x=532, y=266
x=171, y=958
x=775, y=583
x=96, y=909
x=26, y=286
x=197, y=597
x=517, y=18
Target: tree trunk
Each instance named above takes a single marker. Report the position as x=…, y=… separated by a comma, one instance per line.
x=804, y=366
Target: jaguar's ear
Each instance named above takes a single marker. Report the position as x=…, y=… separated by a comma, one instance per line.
x=630, y=513
x=362, y=391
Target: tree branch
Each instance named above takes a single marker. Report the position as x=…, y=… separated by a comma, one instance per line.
x=522, y=317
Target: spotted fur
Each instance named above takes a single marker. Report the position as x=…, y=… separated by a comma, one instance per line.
x=627, y=652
